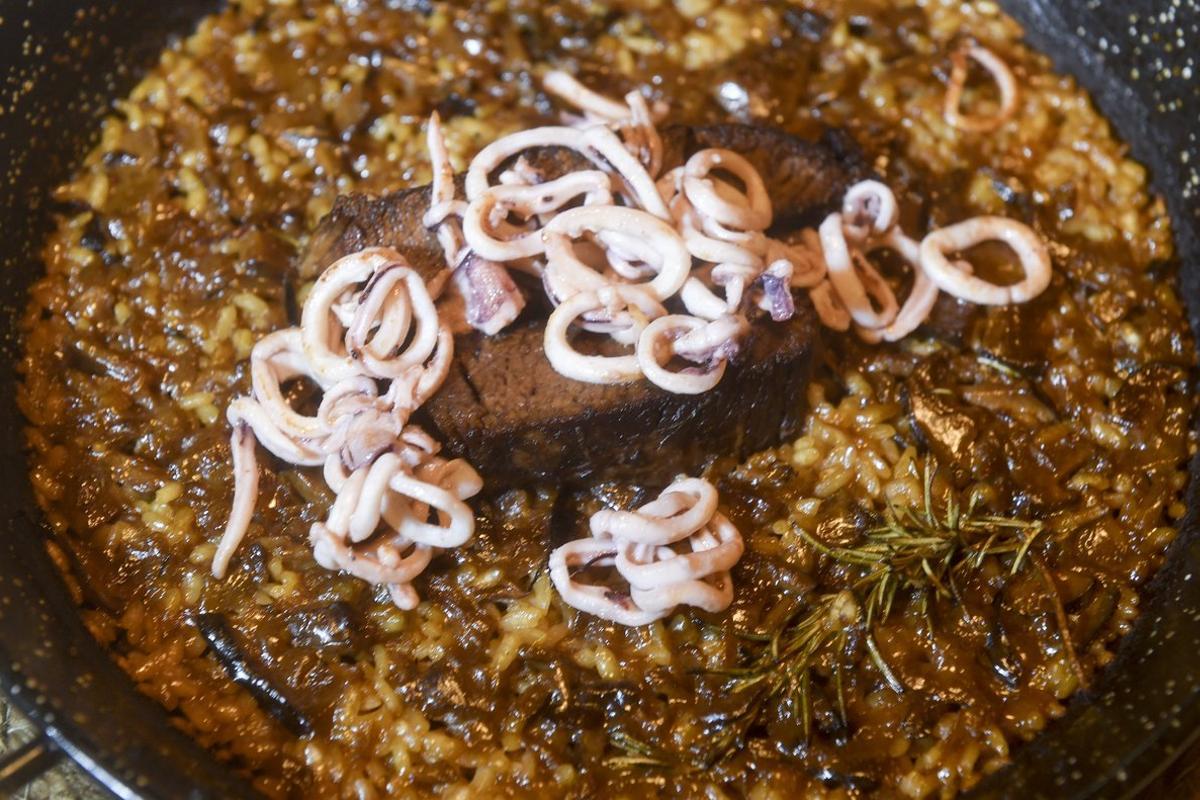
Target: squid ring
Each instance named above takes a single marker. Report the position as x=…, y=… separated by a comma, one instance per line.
x=653, y=241
x=1006, y=83
x=595, y=369
x=749, y=210
x=952, y=279
x=664, y=337
x=856, y=281
x=715, y=548
x=599, y=601
x=683, y=508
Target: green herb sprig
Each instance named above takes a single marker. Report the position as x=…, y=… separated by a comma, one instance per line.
x=923, y=552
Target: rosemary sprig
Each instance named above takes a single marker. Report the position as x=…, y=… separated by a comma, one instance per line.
x=782, y=671
x=921, y=551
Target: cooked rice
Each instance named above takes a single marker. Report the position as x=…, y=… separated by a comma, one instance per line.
x=203, y=188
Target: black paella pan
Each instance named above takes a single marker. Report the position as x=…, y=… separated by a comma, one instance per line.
x=62, y=62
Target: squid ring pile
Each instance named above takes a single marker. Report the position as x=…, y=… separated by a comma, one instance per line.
x=855, y=293
x=640, y=546
x=368, y=320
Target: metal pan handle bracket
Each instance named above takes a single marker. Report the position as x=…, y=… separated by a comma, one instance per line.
x=22, y=765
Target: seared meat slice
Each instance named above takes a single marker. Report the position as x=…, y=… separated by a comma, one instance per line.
x=519, y=422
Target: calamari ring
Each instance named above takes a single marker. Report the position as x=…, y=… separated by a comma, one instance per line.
x=327, y=311
x=661, y=340
x=527, y=201
x=869, y=210
x=385, y=360
x=730, y=248
x=274, y=359
x=388, y=491
x=381, y=319
x=856, y=281
x=419, y=445
x=738, y=256
x=598, y=144
x=346, y=502
x=715, y=548
x=597, y=369
x=367, y=509
x=636, y=543
x=456, y=520
x=599, y=601
x=657, y=244
x=332, y=362
x=1006, y=83
x=754, y=242
x=829, y=307
x=456, y=476
x=712, y=594
x=432, y=375
x=681, y=510
x=1030, y=250
x=921, y=298
x=621, y=250
x=701, y=301
x=748, y=210
x=391, y=561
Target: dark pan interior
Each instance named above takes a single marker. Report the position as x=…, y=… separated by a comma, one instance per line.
x=62, y=62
